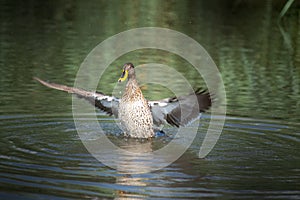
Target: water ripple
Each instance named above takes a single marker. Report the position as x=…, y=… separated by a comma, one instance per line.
x=43, y=154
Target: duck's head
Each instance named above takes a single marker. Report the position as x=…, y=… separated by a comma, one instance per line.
x=128, y=72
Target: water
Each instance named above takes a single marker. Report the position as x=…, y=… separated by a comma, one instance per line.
x=257, y=155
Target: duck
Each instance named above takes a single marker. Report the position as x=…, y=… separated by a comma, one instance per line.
x=139, y=117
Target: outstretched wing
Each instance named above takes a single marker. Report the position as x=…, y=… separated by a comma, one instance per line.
x=108, y=104
x=169, y=110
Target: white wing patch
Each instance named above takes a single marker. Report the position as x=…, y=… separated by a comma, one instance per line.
x=106, y=98
x=157, y=103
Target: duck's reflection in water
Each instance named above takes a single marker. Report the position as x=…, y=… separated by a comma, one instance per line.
x=135, y=156
x=137, y=161
x=131, y=159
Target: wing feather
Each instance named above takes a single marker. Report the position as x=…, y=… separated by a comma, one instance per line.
x=182, y=110
x=108, y=104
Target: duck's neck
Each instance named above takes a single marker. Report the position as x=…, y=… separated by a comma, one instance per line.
x=132, y=84
x=132, y=87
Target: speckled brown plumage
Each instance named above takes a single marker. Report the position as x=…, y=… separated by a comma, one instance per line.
x=134, y=112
